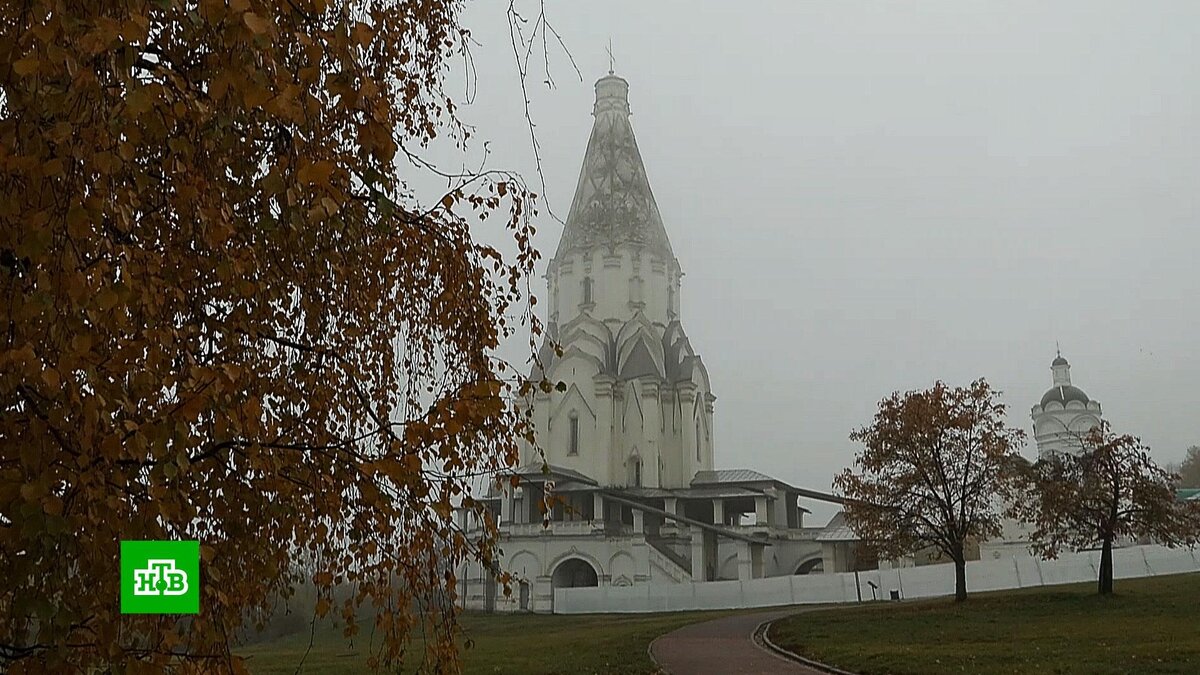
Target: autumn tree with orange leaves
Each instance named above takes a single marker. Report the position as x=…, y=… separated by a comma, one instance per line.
x=934, y=472
x=1106, y=489
x=224, y=318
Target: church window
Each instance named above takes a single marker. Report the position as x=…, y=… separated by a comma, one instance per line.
x=573, y=447
x=637, y=472
x=697, y=440
x=587, y=290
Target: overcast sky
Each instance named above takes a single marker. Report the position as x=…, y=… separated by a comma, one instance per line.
x=869, y=196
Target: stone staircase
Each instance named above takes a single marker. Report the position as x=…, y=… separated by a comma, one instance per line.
x=662, y=556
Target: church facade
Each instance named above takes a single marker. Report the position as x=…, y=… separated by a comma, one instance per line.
x=624, y=455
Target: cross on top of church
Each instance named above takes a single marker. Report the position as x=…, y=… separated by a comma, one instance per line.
x=610, y=57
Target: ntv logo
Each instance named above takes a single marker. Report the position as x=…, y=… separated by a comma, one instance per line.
x=160, y=577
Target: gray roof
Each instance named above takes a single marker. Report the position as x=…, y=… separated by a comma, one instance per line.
x=713, y=491
x=1059, y=361
x=644, y=492
x=1065, y=393
x=720, y=476
x=838, y=530
x=545, y=471
x=574, y=486
x=739, y=476
x=613, y=203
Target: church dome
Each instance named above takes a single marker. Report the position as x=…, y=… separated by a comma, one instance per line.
x=1059, y=361
x=1064, y=394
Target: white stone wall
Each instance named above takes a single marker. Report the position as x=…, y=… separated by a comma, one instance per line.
x=618, y=562
x=1021, y=571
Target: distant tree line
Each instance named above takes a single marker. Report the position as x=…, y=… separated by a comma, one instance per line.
x=1189, y=468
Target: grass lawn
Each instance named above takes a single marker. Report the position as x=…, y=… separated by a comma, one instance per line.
x=522, y=643
x=1149, y=626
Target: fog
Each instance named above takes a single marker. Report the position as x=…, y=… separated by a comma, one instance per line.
x=867, y=197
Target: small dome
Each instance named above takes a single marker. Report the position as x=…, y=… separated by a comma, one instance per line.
x=1059, y=361
x=1064, y=394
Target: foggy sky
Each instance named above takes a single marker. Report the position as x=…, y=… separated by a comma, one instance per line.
x=869, y=196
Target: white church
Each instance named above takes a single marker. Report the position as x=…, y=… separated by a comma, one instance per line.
x=1065, y=413
x=627, y=448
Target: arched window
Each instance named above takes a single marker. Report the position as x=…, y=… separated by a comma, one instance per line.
x=573, y=443
x=637, y=472
x=697, y=440
x=587, y=290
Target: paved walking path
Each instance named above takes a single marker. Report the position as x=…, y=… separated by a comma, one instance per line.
x=723, y=646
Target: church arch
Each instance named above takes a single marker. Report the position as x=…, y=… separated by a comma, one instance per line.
x=1049, y=425
x=621, y=564
x=574, y=553
x=574, y=356
x=814, y=565
x=1083, y=424
x=525, y=564
x=574, y=572
x=572, y=402
x=585, y=334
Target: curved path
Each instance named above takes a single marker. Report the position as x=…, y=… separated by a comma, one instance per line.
x=723, y=646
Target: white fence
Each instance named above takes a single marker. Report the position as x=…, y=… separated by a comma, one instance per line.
x=908, y=582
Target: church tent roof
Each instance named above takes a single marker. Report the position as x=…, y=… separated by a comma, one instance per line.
x=613, y=202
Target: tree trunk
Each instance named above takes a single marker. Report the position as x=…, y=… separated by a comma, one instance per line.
x=1106, y=567
x=960, y=579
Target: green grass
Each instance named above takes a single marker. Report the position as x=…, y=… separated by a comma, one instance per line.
x=521, y=643
x=1149, y=626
